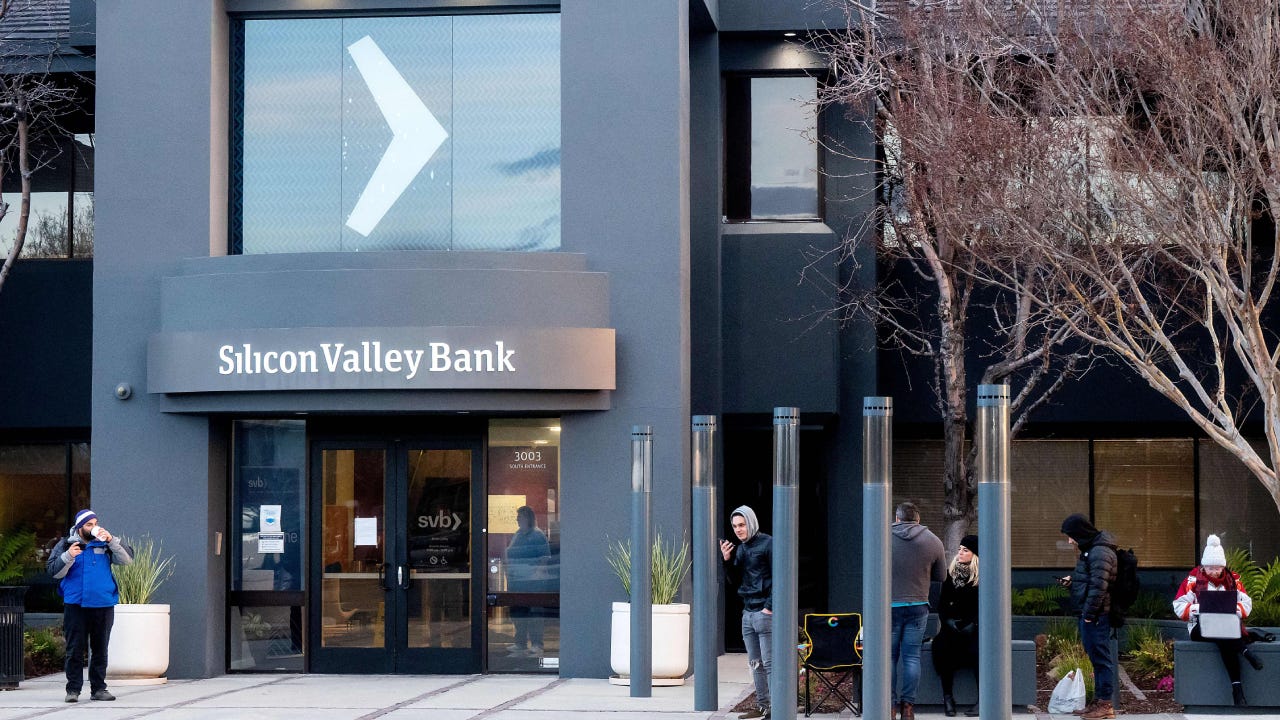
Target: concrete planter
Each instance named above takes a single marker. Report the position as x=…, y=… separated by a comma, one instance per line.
x=138, y=653
x=670, y=643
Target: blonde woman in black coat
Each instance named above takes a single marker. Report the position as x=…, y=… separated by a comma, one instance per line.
x=956, y=645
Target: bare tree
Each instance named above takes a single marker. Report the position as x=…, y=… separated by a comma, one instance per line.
x=946, y=109
x=1159, y=223
x=31, y=102
x=1133, y=195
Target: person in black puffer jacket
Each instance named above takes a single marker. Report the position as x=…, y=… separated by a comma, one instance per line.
x=1090, y=585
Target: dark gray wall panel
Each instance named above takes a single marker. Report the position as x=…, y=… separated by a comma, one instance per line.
x=46, y=335
x=780, y=349
x=625, y=183
x=151, y=471
x=748, y=15
x=227, y=292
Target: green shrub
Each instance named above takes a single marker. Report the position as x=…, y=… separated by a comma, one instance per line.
x=1038, y=601
x=1151, y=658
x=45, y=649
x=19, y=555
x=1060, y=635
x=1151, y=605
x=1137, y=633
x=1069, y=658
x=139, y=580
x=669, y=564
x=1262, y=583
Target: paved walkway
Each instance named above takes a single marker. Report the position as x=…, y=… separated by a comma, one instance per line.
x=366, y=697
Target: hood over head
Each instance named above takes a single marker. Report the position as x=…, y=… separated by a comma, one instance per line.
x=1078, y=528
x=753, y=525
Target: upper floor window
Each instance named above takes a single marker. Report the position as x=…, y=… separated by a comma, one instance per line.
x=771, y=158
x=60, y=223
x=397, y=133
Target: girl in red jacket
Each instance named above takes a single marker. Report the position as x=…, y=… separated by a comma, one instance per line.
x=1212, y=574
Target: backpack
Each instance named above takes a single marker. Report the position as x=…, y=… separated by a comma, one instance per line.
x=1124, y=590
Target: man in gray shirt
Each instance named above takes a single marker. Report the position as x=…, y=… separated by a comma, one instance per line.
x=918, y=560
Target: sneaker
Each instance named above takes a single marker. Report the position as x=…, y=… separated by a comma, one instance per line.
x=753, y=714
x=516, y=650
x=102, y=695
x=1103, y=709
x=73, y=697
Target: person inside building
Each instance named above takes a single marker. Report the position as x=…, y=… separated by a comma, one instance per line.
x=1212, y=575
x=956, y=645
x=1090, y=585
x=526, y=554
x=82, y=564
x=919, y=560
x=750, y=567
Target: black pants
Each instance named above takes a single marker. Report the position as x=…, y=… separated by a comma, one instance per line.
x=87, y=629
x=1229, y=650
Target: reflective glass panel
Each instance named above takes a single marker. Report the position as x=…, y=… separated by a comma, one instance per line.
x=270, y=496
x=267, y=639
x=1144, y=494
x=784, y=172
x=524, y=544
x=405, y=133
x=353, y=608
x=1048, y=480
x=439, y=537
x=1234, y=505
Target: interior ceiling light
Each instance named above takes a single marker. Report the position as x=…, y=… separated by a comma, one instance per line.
x=788, y=34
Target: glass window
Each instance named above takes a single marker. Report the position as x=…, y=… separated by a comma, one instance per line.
x=917, y=478
x=1144, y=494
x=405, y=133
x=524, y=544
x=1234, y=506
x=60, y=223
x=270, y=458
x=41, y=485
x=771, y=159
x=268, y=496
x=1048, y=480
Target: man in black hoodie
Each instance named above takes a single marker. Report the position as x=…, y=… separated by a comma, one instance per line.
x=750, y=567
x=1090, y=585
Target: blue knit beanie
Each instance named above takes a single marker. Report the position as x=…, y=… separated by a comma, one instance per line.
x=83, y=517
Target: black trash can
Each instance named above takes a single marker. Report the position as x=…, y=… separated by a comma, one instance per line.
x=11, y=636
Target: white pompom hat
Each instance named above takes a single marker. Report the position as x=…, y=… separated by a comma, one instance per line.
x=1213, y=554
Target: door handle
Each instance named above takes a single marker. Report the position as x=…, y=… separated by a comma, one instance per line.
x=405, y=583
x=382, y=577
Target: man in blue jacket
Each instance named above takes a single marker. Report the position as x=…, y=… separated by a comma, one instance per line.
x=750, y=566
x=82, y=563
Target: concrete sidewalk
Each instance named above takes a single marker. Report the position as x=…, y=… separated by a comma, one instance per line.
x=365, y=697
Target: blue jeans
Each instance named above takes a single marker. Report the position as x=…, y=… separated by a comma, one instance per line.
x=1096, y=637
x=906, y=638
x=757, y=634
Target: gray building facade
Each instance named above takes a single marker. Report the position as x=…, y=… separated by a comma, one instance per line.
x=700, y=316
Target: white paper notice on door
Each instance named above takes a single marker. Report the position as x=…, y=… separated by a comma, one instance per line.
x=366, y=531
x=271, y=542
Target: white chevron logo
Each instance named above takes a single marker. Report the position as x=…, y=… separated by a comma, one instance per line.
x=416, y=135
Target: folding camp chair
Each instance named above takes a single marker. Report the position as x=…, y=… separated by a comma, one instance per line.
x=832, y=652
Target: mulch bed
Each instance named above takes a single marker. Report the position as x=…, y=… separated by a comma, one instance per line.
x=1155, y=702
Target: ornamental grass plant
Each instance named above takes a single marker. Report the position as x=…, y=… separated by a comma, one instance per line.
x=669, y=566
x=139, y=580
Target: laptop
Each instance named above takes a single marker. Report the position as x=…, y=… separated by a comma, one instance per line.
x=1218, y=617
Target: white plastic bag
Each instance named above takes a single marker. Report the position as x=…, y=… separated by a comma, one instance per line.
x=1068, y=694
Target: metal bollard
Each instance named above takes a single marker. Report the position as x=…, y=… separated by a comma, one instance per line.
x=706, y=566
x=641, y=570
x=995, y=633
x=784, y=676
x=877, y=517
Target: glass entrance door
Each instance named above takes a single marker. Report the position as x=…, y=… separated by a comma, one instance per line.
x=396, y=548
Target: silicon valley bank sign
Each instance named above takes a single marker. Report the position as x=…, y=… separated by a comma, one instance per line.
x=396, y=358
